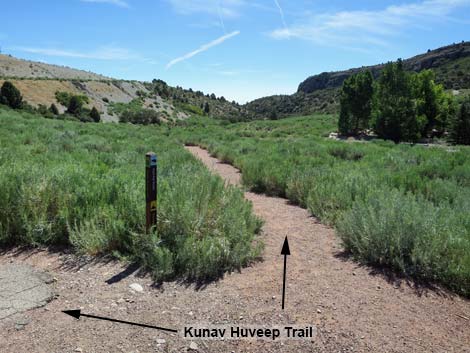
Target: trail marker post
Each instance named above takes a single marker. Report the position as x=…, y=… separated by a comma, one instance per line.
x=151, y=190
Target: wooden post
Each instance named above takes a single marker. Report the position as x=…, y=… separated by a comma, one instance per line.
x=151, y=190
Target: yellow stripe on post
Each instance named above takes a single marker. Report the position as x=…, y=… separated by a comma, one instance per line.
x=151, y=190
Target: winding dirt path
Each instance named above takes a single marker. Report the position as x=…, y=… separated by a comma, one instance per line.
x=353, y=309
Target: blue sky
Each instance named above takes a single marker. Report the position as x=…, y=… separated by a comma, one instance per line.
x=236, y=48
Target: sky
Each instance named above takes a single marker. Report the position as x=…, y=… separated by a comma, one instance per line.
x=238, y=49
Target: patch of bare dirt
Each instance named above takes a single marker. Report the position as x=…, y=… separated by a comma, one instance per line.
x=354, y=308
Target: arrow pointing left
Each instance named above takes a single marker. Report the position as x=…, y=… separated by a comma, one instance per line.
x=77, y=314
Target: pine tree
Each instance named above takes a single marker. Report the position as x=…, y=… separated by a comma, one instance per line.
x=460, y=133
x=10, y=95
x=95, y=115
x=75, y=106
x=53, y=109
x=207, y=108
x=394, y=111
x=356, y=103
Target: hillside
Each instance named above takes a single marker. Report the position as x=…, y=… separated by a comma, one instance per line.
x=319, y=93
x=39, y=82
x=11, y=67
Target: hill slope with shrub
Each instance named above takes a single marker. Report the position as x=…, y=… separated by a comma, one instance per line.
x=320, y=93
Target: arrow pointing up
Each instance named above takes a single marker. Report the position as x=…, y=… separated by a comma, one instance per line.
x=285, y=251
x=77, y=314
x=285, y=248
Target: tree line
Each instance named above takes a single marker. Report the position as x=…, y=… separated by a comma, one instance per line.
x=11, y=96
x=402, y=106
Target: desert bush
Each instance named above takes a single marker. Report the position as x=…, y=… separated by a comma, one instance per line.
x=338, y=180
x=64, y=98
x=95, y=115
x=82, y=185
x=410, y=235
x=53, y=109
x=143, y=116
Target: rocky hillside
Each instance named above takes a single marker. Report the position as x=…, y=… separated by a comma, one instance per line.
x=11, y=67
x=320, y=93
x=433, y=59
x=39, y=83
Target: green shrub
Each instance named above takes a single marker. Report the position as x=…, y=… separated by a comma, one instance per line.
x=82, y=185
x=75, y=106
x=10, y=95
x=143, y=116
x=64, y=98
x=411, y=236
x=53, y=109
x=338, y=180
x=95, y=115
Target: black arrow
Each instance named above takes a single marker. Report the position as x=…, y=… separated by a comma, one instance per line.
x=285, y=251
x=77, y=313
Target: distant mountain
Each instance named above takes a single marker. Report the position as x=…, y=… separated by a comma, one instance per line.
x=320, y=93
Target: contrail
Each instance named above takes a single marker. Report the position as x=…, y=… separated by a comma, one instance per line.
x=220, y=17
x=202, y=48
x=282, y=14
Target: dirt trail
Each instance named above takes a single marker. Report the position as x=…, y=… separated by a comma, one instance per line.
x=349, y=303
x=353, y=309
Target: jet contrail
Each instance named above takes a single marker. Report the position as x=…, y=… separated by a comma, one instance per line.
x=282, y=14
x=202, y=48
x=220, y=17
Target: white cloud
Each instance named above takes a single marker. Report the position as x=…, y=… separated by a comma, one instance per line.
x=120, y=3
x=103, y=53
x=361, y=29
x=202, y=48
x=222, y=8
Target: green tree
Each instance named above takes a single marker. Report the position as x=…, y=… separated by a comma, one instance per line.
x=95, y=115
x=432, y=102
x=75, y=106
x=356, y=103
x=394, y=107
x=207, y=108
x=53, y=109
x=10, y=95
x=460, y=130
x=273, y=114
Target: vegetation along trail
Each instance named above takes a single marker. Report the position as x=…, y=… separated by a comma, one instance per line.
x=353, y=307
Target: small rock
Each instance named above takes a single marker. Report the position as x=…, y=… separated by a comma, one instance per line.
x=78, y=350
x=274, y=297
x=136, y=287
x=193, y=346
x=160, y=341
x=354, y=273
x=241, y=317
x=190, y=313
x=319, y=311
